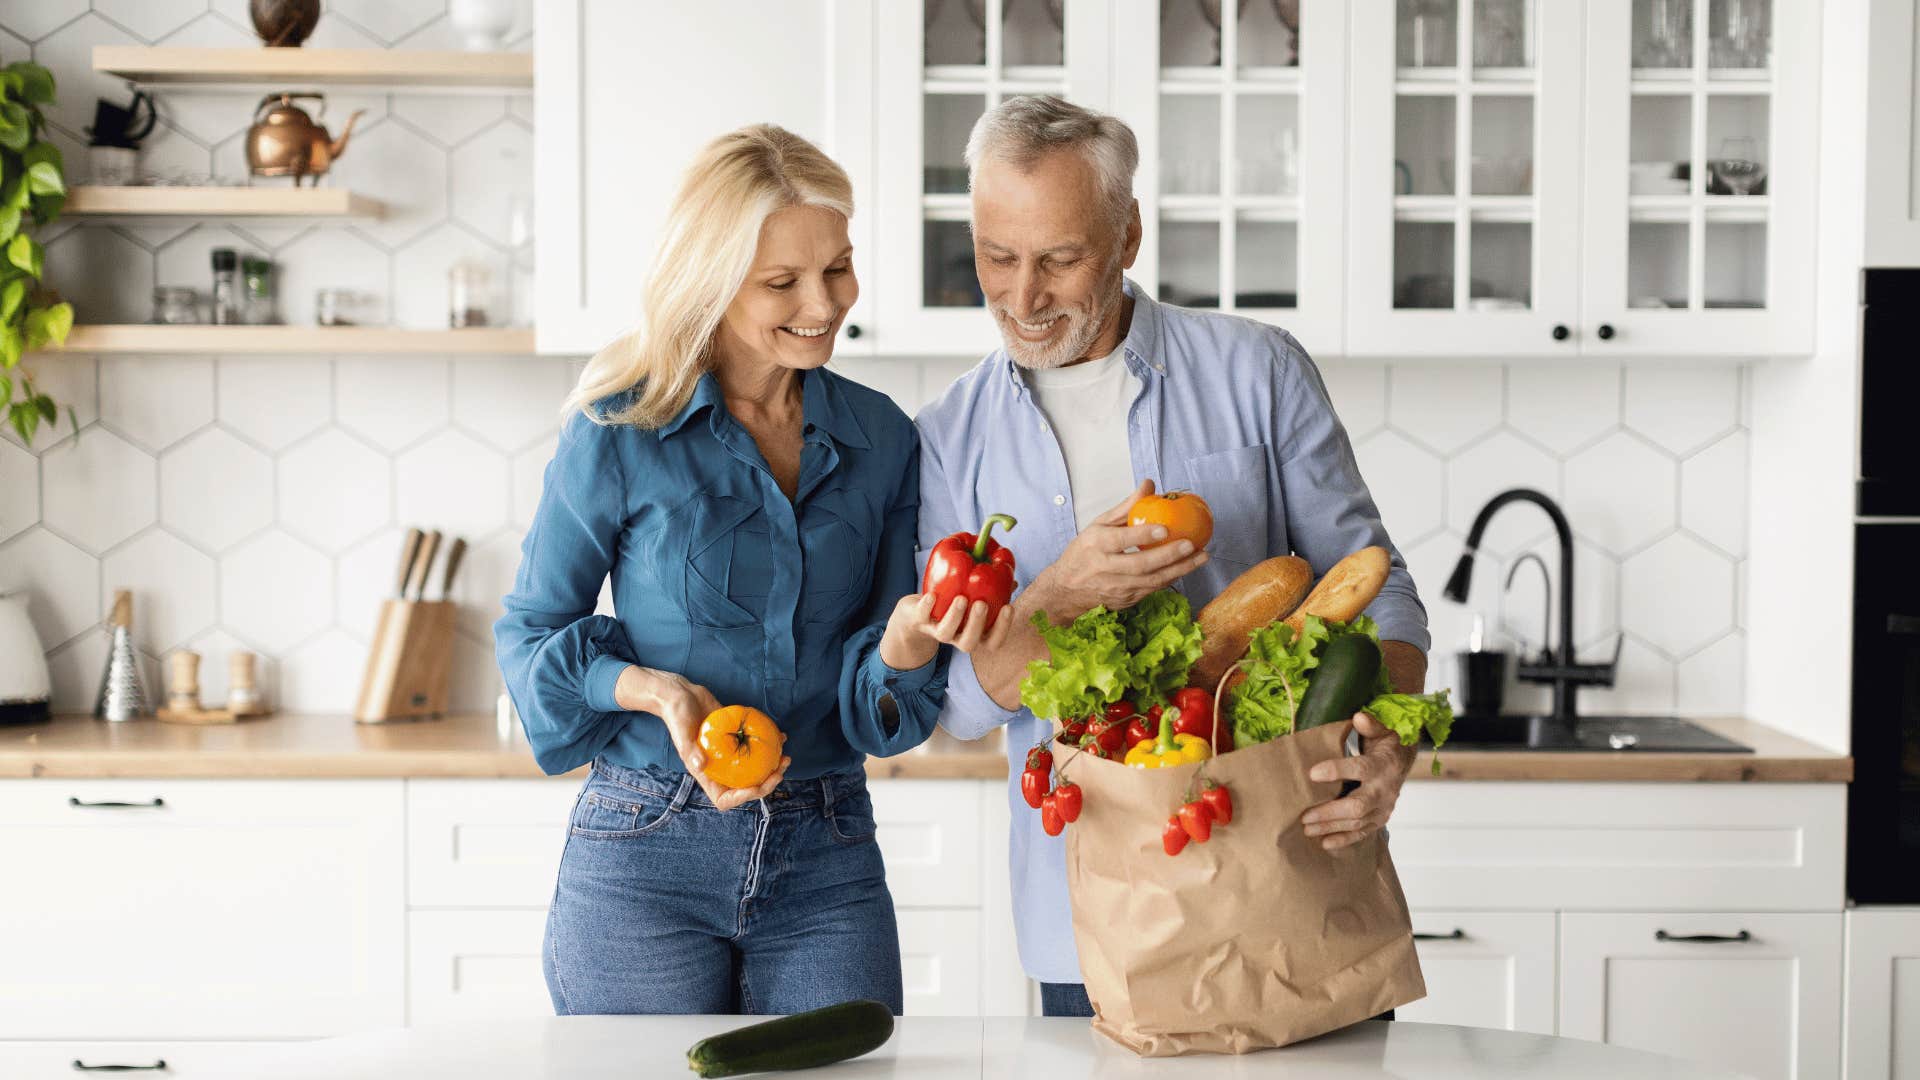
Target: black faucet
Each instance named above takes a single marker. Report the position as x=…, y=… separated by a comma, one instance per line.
x=1565, y=675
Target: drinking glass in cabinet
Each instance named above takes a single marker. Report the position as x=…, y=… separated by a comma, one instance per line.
x=1186, y=41
x=956, y=32
x=1742, y=35
x=1502, y=35
x=1736, y=169
x=1268, y=33
x=1427, y=33
x=1662, y=33
x=1033, y=32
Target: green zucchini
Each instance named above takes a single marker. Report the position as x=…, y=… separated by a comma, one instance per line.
x=1342, y=683
x=801, y=1041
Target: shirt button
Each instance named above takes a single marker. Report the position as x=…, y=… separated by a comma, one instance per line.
x=1059, y=500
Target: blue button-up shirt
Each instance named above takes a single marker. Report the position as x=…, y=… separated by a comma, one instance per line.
x=716, y=575
x=1230, y=408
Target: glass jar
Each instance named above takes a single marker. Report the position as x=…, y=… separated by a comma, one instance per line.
x=345, y=307
x=256, y=290
x=226, y=286
x=175, y=305
x=469, y=294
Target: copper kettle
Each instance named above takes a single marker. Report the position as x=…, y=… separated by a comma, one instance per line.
x=285, y=141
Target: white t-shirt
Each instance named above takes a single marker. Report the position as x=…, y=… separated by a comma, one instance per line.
x=1086, y=405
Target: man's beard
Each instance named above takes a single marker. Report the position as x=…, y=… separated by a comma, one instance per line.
x=1071, y=344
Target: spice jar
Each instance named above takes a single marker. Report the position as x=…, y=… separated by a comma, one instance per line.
x=226, y=287
x=256, y=290
x=175, y=305
x=469, y=294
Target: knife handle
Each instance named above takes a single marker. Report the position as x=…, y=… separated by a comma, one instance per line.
x=454, y=552
x=409, y=551
x=423, y=566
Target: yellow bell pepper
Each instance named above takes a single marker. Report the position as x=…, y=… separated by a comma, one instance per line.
x=1169, y=749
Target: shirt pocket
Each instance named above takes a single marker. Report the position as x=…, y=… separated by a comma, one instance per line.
x=1234, y=483
x=838, y=557
x=706, y=541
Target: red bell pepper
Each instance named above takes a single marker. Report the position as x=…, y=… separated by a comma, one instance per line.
x=1196, y=718
x=970, y=567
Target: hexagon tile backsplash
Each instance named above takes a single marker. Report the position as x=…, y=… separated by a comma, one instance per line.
x=257, y=502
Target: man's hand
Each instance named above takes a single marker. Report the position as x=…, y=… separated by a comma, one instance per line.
x=1380, y=768
x=1110, y=564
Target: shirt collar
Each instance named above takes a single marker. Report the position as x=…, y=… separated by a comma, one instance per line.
x=1139, y=348
x=822, y=405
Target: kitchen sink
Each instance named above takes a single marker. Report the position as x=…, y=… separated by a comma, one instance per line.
x=1646, y=734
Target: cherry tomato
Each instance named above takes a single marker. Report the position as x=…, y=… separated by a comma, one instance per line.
x=1033, y=785
x=1040, y=759
x=1050, y=819
x=1197, y=820
x=1173, y=838
x=1220, y=802
x=1073, y=731
x=1184, y=514
x=1090, y=743
x=1111, y=734
x=1067, y=798
x=1120, y=712
x=1137, y=732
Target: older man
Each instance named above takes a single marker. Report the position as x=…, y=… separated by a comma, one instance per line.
x=1098, y=393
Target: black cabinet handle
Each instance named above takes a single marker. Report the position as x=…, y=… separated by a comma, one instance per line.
x=1560, y=332
x=151, y=804
x=853, y=330
x=1708, y=939
x=1605, y=332
x=1457, y=935
x=159, y=1065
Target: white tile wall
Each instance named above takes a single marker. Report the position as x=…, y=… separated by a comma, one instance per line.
x=257, y=502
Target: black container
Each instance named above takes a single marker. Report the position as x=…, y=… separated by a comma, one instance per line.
x=1483, y=682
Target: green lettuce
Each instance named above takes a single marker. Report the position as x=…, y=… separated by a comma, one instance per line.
x=1087, y=666
x=1164, y=643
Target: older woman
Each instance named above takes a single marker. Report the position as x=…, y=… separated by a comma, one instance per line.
x=757, y=516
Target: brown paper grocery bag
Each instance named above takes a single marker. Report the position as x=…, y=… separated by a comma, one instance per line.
x=1256, y=938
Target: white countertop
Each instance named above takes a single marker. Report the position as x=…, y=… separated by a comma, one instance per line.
x=950, y=1048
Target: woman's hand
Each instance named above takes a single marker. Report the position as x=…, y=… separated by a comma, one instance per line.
x=682, y=705
x=913, y=637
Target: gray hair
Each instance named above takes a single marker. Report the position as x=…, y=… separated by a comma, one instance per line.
x=1021, y=130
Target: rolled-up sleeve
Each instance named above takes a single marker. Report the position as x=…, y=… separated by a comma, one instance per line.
x=969, y=713
x=559, y=660
x=867, y=683
x=1328, y=511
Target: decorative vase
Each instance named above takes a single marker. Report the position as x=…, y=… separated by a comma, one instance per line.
x=283, y=22
x=483, y=25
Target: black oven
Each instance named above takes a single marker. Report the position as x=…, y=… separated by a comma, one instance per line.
x=1883, y=805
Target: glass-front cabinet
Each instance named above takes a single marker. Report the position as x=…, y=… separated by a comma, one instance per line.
x=1465, y=143
x=940, y=64
x=1701, y=147
x=1239, y=109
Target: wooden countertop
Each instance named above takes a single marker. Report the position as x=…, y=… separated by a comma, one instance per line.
x=299, y=746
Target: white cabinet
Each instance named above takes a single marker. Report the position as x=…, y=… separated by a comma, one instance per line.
x=1755, y=992
x=200, y=909
x=485, y=843
x=1893, y=144
x=628, y=93
x=184, y=1060
x=1485, y=969
x=478, y=963
x=1883, y=994
x=1607, y=178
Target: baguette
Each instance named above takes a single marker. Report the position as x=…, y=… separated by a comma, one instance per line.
x=1346, y=590
x=1262, y=594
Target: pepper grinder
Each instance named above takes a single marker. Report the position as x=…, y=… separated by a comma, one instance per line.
x=243, y=696
x=183, y=681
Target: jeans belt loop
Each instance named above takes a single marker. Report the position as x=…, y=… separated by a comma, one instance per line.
x=682, y=793
x=826, y=795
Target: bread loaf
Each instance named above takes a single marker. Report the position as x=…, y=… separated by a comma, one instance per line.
x=1346, y=590
x=1264, y=593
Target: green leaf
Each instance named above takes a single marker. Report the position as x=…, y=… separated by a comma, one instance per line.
x=9, y=224
x=59, y=322
x=25, y=419
x=16, y=126
x=47, y=152
x=74, y=419
x=24, y=252
x=6, y=389
x=46, y=208
x=48, y=410
x=35, y=82
x=1086, y=666
x=45, y=179
x=12, y=344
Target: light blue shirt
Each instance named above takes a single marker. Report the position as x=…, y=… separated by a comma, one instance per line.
x=1230, y=408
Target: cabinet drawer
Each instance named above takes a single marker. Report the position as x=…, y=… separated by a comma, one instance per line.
x=929, y=833
x=200, y=909
x=463, y=965
x=197, y=1061
x=1485, y=969
x=940, y=962
x=485, y=843
x=1615, y=847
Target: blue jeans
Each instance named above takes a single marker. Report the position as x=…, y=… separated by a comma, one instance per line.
x=1070, y=999
x=666, y=905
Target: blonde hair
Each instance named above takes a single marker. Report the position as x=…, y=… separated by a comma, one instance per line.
x=713, y=229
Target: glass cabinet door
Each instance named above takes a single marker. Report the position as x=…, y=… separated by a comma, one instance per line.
x=1700, y=185
x=1465, y=224
x=1238, y=107
x=963, y=58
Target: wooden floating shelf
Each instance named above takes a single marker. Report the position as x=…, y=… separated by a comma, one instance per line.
x=294, y=340
x=315, y=67
x=292, y=202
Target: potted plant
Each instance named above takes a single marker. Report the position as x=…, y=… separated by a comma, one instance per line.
x=33, y=190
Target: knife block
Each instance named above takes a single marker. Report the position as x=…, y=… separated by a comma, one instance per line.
x=409, y=664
